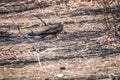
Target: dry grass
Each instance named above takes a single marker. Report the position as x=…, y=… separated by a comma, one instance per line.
x=85, y=51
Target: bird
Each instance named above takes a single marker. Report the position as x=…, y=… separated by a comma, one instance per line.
x=54, y=31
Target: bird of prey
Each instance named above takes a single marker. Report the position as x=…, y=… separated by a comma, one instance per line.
x=54, y=31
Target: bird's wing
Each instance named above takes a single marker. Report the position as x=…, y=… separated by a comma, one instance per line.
x=52, y=30
x=48, y=31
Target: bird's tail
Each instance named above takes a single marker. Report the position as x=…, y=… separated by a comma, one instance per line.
x=37, y=34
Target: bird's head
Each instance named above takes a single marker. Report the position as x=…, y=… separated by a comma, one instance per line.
x=62, y=23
